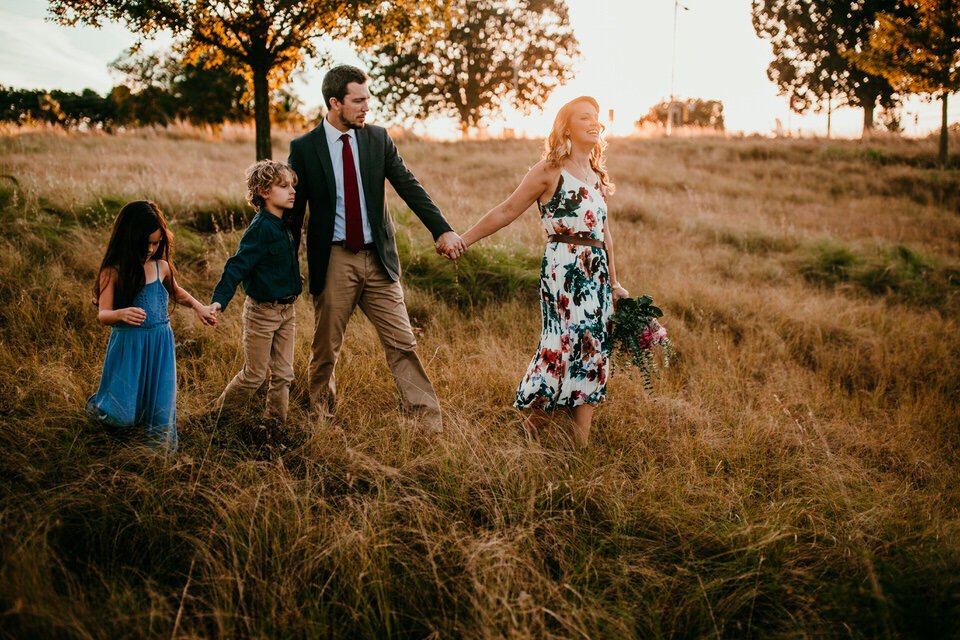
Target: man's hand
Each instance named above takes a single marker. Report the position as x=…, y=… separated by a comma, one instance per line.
x=450, y=245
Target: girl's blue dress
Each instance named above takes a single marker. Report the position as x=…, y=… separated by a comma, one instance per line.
x=139, y=381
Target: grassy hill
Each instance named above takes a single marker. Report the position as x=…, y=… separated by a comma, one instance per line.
x=795, y=473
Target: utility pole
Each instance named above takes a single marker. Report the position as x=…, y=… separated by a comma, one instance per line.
x=671, y=109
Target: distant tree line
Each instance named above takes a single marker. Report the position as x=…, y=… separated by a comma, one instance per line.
x=694, y=112
x=157, y=90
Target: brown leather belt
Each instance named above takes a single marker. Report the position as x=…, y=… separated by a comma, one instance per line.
x=587, y=242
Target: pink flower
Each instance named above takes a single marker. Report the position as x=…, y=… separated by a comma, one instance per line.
x=563, y=305
x=590, y=219
x=653, y=334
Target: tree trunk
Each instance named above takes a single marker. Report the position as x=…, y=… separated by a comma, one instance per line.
x=261, y=110
x=867, y=120
x=829, y=113
x=944, y=138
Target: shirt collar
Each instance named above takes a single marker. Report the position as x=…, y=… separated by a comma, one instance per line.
x=333, y=134
x=269, y=216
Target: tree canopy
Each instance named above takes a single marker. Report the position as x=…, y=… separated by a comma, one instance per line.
x=918, y=51
x=476, y=57
x=810, y=39
x=267, y=38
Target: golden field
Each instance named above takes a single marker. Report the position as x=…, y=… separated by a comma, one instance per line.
x=795, y=472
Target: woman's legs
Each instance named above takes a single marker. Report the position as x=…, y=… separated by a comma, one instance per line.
x=536, y=419
x=577, y=427
x=582, y=419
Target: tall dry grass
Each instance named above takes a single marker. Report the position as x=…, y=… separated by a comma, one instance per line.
x=794, y=474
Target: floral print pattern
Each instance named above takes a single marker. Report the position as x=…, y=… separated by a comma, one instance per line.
x=572, y=361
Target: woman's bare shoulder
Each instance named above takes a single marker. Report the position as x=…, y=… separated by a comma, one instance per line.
x=545, y=169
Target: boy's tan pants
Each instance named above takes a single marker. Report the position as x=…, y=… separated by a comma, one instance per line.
x=268, y=338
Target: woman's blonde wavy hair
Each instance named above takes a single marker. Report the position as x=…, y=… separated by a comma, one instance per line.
x=555, y=148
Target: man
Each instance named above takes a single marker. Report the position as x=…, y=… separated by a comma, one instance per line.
x=351, y=249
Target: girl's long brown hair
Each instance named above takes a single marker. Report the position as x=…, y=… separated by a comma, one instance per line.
x=555, y=148
x=127, y=250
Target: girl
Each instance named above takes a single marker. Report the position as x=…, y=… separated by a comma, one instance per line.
x=578, y=280
x=139, y=381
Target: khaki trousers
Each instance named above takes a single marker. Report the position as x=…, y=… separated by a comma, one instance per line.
x=268, y=338
x=359, y=279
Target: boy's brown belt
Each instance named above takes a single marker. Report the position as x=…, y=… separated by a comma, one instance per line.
x=588, y=242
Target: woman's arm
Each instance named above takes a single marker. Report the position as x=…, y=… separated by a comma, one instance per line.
x=107, y=314
x=532, y=187
x=618, y=290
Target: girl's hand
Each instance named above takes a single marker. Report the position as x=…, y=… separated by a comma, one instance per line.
x=208, y=315
x=618, y=293
x=134, y=316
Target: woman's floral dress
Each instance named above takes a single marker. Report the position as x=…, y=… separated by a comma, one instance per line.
x=571, y=365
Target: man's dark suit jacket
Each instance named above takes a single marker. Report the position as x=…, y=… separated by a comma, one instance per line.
x=379, y=161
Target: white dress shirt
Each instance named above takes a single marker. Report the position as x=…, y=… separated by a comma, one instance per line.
x=335, y=145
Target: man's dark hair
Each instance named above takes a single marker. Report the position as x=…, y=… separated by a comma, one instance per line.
x=336, y=81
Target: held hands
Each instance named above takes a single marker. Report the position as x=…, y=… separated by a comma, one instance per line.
x=450, y=245
x=214, y=310
x=209, y=315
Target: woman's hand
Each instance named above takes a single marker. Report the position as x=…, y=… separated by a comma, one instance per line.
x=618, y=293
x=134, y=316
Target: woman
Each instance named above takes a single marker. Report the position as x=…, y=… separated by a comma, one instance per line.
x=578, y=280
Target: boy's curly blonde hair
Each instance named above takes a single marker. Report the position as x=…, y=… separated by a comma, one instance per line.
x=263, y=175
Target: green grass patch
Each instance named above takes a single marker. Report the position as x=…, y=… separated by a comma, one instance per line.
x=486, y=274
x=226, y=216
x=896, y=271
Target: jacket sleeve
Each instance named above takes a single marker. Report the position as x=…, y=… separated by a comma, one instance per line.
x=294, y=216
x=239, y=266
x=409, y=188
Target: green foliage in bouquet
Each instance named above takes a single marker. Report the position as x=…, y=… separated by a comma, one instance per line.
x=636, y=331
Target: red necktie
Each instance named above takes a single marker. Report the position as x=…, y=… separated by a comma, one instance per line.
x=351, y=199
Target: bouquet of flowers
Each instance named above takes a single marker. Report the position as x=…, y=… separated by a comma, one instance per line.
x=636, y=332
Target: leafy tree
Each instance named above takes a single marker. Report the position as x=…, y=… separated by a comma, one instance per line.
x=200, y=92
x=693, y=113
x=809, y=40
x=476, y=57
x=918, y=51
x=269, y=38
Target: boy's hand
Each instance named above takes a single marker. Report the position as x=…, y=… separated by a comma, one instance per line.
x=208, y=315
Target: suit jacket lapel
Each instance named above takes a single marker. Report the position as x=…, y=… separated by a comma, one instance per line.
x=366, y=177
x=323, y=153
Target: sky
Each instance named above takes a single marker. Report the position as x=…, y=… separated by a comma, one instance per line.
x=626, y=59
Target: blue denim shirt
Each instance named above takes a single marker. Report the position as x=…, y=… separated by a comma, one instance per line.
x=265, y=262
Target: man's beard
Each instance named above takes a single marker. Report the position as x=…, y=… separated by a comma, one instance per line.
x=350, y=125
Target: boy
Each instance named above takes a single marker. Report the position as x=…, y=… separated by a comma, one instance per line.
x=266, y=263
